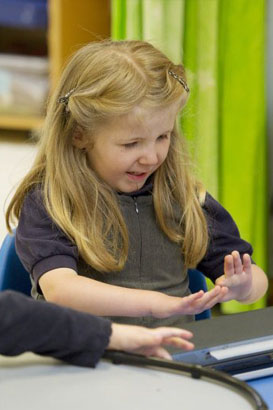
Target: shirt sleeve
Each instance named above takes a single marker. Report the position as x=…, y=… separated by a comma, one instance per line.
x=224, y=237
x=50, y=330
x=40, y=244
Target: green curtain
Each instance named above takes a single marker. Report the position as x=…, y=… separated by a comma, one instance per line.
x=222, y=45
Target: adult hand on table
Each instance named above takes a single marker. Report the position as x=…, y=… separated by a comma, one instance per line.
x=148, y=342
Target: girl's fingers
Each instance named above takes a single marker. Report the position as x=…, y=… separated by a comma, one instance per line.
x=195, y=296
x=247, y=264
x=217, y=298
x=210, y=295
x=228, y=266
x=238, y=267
x=208, y=300
x=195, y=302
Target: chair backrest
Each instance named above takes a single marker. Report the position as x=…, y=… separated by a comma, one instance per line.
x=197, y=281
x=12, y=273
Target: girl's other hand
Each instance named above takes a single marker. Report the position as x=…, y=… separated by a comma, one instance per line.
x=148, y=342
x=165, y=306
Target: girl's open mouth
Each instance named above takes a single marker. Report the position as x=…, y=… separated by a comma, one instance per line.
x=136, y=176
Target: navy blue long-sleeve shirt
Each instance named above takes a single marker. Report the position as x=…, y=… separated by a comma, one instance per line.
x=51, y=330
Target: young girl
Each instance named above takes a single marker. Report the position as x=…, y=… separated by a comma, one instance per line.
x=110, y=216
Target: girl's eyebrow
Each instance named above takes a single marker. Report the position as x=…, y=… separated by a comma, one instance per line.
x=166, y=132
x=134, y=137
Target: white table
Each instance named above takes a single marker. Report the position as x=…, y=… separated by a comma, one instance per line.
x=34, y=383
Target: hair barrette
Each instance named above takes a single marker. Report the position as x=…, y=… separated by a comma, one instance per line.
x=65, y=98
x=180, y=80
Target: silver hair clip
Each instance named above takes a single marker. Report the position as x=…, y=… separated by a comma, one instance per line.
x=180, y=80
x=65, y=98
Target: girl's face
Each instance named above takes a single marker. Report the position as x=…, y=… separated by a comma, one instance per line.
x=129, y=148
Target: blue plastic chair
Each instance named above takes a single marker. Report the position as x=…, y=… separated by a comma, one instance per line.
x=14, y=276
x=197, y=281
x=12, y=273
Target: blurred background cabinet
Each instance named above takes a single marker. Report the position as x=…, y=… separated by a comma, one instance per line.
x=36, y=38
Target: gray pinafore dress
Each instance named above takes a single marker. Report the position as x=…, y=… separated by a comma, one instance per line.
x=154, y=262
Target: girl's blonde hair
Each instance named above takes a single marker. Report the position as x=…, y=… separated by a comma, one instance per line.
x=110, y=79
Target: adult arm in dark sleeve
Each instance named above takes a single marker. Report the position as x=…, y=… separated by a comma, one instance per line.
x=50, y=330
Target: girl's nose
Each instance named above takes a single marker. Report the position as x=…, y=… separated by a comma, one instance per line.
x=149, y=157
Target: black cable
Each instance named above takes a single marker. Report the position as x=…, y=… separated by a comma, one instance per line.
x=196, y=372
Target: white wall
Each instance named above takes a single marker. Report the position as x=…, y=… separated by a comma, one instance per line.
x=16, y=156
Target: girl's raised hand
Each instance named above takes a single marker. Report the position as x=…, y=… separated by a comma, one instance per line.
x=148, y=342
x=237, y=277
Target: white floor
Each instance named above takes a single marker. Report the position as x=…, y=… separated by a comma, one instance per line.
x=16, y=155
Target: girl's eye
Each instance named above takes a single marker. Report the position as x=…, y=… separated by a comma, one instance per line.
x=130, y=144
x=163, y=136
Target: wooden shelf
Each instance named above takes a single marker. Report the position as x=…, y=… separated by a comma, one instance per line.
x=20, y=122
x=70, y=26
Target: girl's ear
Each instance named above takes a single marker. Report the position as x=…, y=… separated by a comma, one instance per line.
x=79, y=138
